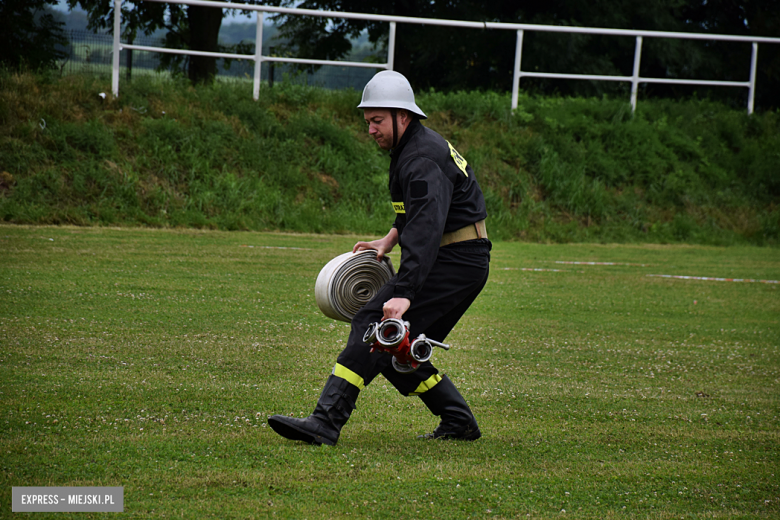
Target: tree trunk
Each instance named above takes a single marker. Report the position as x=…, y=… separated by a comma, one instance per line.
x=204, y=25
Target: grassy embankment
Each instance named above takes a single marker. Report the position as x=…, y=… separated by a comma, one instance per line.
x=150, y=359
x=166, y=154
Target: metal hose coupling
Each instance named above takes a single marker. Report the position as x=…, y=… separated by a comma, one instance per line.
x=421, y=348
x=392, y=332
x=392, y=336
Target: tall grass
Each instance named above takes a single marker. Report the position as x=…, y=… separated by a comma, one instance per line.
x=557, y=169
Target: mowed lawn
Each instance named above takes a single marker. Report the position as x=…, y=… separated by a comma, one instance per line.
x=151, y=359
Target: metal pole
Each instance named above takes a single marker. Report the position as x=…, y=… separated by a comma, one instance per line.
x=518, y=62
x=635, y=76
x=752, y=91
x=258, y=55
x=391, y=47
x=115, y=57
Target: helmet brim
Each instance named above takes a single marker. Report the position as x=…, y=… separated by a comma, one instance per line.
x=413, y=108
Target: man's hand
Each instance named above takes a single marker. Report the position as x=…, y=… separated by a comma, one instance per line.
x=383, y=245
x=381, y=249
x=396, y=307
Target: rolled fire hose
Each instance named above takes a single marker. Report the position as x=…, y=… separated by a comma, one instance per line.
x=349, y=281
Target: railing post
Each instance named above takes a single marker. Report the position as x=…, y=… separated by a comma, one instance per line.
x=635, y=76
x=752, y=91
x=391, y=47
x=258, y=55
x=518, y=62
x=115, y=57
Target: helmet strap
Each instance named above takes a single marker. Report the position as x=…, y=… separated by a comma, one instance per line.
x=393, y=114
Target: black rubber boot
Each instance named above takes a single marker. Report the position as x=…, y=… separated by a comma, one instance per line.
x=457, y=421
x=324, y=424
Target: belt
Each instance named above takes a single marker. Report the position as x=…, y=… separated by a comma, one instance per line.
x=470, y=232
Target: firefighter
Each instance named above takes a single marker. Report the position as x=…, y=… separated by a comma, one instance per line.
x=445, y=254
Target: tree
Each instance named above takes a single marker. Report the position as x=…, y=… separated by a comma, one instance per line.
x=729, y=61
x=29, y=34
x=455, y=58
x=188, y=27
x=430, y=56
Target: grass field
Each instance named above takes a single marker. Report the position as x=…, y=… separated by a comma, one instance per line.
x=151, y=359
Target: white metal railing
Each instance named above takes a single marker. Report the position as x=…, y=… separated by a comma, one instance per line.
x=635, y=79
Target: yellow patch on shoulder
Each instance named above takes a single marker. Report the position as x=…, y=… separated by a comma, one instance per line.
x=458, y=158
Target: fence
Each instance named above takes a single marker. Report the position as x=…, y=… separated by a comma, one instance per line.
x=90, y=53
x=635, y=79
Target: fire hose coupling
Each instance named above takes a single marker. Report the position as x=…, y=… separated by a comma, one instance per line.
x=390, y=333
x=392, y=336
x=422, y=348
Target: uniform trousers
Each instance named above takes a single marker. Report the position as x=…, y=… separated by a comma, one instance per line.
x=457, y=277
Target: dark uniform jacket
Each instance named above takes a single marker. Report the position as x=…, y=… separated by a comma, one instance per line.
x=434, y=191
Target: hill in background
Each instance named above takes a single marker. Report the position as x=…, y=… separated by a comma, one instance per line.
x=298, y=159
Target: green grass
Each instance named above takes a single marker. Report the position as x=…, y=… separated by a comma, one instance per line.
x=150, y=359
x=165, y=154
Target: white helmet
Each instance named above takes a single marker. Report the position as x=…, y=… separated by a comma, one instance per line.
x=389, y=89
